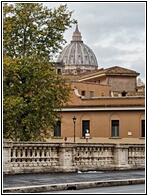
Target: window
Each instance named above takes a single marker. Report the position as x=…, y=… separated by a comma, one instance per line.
x=143, y=128
x=86, y=59
x=91, y=94
x=115, y=128
x=58, y=71
x=83, y=93
x=57, y=129
x=85, y=126
x=79, y=59
x=71, y=59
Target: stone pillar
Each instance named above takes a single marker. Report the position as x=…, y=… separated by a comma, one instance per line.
x=66, y=157
x=121, y=156
x=7, y=156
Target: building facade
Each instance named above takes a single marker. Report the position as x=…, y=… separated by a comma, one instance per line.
x=120, y=79
x=116, y=119
x=105, y=104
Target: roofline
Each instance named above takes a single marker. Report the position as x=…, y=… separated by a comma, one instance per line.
x=79, y=109
x=105, y=72
x=108, y=74
x=91, y=77
x=113, y=98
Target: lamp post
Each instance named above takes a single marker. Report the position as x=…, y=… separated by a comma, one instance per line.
x=74, y=121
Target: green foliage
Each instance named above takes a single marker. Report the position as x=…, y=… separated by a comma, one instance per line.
x=31, y=29
x=32, y=90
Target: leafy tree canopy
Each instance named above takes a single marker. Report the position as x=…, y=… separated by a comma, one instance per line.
x=32, y=34
x=31, y=29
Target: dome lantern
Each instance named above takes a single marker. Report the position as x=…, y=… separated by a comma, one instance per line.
x=77, y=36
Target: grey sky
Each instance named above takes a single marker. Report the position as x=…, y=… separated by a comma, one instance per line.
x=114, y=31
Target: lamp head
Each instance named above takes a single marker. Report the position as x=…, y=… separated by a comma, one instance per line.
x=74, y=119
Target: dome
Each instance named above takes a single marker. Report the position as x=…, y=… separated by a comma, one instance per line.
x=77, y=55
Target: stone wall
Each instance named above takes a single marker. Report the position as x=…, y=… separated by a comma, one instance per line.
x=36, y=157
x=119, y=83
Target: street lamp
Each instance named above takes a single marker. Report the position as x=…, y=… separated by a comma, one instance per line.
x=74, y=121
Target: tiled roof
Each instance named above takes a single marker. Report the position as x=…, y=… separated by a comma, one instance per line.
x=110, y=71
x=119, y=70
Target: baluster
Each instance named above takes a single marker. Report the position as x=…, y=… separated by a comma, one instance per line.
x=38, y=155
x=48, y=156
x=18, y=156
x=82, y=156
x=54, y=156
x=44, y=156
x=13, y=156
x=111, y=155
x=78, y=156
x=104, y=155
x=95, y=155
x=23, y=156
x=129, y=156
x=28, y=154
x=51, y=155
x=34, y=154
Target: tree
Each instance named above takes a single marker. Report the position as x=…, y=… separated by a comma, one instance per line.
x=31, y=29
x=33, y=92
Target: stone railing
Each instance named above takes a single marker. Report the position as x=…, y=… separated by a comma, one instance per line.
x=136, y=155
x=32, y=156
x=94, y=156
x=36, y=157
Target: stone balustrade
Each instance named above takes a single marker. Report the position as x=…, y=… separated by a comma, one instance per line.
x=136, y=155
x=35, y=157
x=94, y=157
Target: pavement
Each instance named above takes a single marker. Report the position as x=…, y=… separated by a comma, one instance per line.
x=62, y=181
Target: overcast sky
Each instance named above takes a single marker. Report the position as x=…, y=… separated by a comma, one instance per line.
x=114, y=31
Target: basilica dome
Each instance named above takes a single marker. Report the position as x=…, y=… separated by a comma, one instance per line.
x=77, y=56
